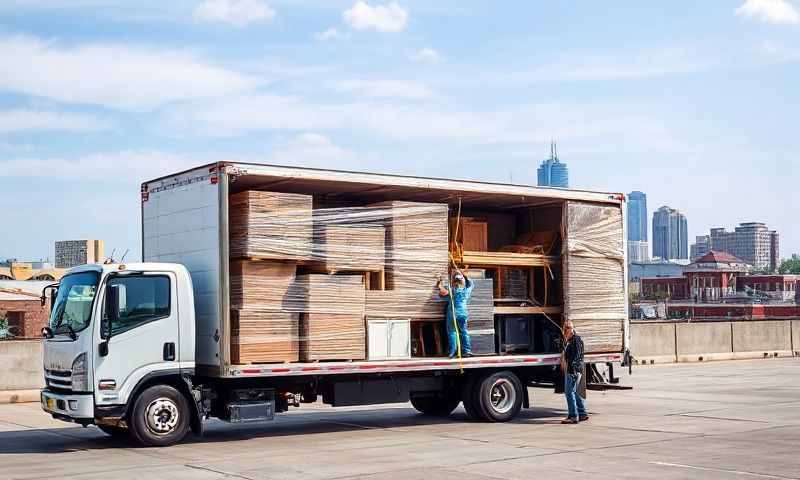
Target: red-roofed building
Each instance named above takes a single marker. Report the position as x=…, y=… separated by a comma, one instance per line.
x=717, y=285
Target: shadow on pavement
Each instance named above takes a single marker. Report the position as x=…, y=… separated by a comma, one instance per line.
x=72, y=439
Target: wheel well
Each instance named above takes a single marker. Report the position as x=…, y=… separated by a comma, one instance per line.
x=175, y=380
x=522, y=375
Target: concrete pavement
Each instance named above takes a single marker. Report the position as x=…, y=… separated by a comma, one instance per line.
x=737, y=419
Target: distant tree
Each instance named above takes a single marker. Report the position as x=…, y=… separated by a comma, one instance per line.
x=790, y=265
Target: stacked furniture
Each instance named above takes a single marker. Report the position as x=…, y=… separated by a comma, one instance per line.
x=269, y=225
x=332, y=323
x=264, y=329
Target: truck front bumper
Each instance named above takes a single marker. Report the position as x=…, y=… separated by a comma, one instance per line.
x=78, y=407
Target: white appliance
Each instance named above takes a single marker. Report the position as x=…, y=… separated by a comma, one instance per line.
x=388, y=339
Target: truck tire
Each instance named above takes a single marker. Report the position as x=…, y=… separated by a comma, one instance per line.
x=469, y=397
x=436, y=406
x=115, y=432
x=498, y=396
x=160, y=417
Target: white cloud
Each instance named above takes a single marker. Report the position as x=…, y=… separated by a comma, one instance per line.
x=238, y=13
x=382, y=18
x=116, y=76
x=329, y=34
x=21, y=120
x=426, y=55
x=417, y=121
x=314, y=150
x=385, y=89
x=770, y=11
x=130, y=166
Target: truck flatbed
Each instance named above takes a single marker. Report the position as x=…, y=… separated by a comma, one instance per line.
x=412, y=365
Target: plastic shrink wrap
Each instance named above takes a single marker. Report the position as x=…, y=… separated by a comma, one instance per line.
x=594, y=281
x=298, y=275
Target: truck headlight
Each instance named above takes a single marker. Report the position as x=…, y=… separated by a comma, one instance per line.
x=80, y=374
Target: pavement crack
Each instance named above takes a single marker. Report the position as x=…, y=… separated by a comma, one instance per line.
x=723, y=470
x=723, y=418
x=220, y=472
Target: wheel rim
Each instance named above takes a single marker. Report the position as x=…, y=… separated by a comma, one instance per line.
x=162, y=416
x=502, y=396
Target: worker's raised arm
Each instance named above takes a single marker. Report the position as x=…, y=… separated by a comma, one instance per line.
x=469, y=284
x=443, y=292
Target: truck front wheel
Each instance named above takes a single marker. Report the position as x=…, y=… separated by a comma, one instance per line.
x=436, y=406
x=160, y=416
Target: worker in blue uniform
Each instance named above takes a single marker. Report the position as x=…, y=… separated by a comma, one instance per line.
x=457, y=294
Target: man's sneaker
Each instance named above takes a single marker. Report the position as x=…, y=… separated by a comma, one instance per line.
x=569, y=421
x=583, y=418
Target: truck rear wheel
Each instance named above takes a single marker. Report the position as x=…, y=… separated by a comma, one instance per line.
x=498, y=397
x=437, y=405
x=160, y=416
x=469, y=397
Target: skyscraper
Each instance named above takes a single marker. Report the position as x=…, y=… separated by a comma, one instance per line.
x=637, y=227
x=670, y=234
x=553, y=173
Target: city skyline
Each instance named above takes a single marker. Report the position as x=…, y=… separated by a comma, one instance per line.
x=107, y=94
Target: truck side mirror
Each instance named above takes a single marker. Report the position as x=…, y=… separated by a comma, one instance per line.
x=53, y=295
x=111, y=309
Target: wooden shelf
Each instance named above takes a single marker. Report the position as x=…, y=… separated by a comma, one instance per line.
x=507, y=259
x=527, y=310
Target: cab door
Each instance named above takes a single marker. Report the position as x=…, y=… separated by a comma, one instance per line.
x=145, y=338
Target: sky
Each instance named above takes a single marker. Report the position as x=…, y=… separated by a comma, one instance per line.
x=694, y=103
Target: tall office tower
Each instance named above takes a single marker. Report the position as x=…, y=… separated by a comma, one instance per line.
x=670, y=234
x=553, y=173
x=753, y=242
x=70, y=253
x=637, y=227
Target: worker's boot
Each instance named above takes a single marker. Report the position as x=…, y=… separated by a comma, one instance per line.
x=569, y=421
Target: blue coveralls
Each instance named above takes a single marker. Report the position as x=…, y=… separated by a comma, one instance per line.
x=459, y=299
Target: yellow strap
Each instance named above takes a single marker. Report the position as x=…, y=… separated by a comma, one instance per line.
x=450, y=291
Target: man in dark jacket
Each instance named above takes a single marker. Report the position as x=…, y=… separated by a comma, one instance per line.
x=572, y=366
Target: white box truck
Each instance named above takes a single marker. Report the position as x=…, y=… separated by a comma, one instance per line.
x=167, y=367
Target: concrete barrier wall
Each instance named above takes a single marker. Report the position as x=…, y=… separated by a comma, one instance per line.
x=696, y=338
x=654, y=342
x=659, y=342
x=770, y=337
x=21, y=365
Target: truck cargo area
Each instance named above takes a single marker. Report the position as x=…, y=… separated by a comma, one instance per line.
x=310, y=270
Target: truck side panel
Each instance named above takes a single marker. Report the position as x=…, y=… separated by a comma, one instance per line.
x=180, y=224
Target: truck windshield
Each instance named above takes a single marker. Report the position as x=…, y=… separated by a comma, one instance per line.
x=73, y=305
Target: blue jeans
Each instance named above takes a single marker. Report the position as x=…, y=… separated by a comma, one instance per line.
x=460, y=334
x=576, y=406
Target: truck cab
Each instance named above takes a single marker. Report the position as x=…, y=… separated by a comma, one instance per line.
x=114, y=330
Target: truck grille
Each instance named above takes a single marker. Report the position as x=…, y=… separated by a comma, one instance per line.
x=58, y=379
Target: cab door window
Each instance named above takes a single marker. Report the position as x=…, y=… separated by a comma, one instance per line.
x=142, y=299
